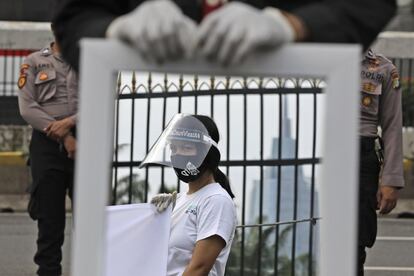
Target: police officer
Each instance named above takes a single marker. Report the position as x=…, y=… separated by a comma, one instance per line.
x=48, y=102
x=227, y=32
x=381, y=172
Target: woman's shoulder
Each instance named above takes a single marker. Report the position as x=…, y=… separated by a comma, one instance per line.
x=216, y=195
x=214, y=190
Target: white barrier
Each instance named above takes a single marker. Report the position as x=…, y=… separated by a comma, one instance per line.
x=337, y=64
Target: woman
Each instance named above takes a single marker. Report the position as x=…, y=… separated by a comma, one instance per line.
x=204, y=218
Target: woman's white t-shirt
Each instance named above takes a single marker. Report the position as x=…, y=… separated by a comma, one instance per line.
x=209, y=211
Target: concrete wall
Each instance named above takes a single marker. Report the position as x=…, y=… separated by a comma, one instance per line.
x=15, y=138
x=395, y=44
x=24, y=35
x=14, y=174
x=14, y=179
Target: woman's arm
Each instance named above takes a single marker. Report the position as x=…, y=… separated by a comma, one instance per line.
x=204, y=255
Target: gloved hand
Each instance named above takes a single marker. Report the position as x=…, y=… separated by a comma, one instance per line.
x=236, y=30
x=157, y=29
x=162, y=201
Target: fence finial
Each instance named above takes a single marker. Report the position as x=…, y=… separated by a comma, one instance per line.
x=119, y=83
x=134, y=82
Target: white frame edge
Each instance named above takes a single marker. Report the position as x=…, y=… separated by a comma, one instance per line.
x=338, y=64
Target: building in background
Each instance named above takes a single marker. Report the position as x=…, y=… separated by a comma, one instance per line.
x=303, y=201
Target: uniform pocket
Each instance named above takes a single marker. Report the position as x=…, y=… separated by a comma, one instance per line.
x=370, y=93
x=45, y=83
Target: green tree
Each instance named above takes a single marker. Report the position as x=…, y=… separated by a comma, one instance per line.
x=137, y=189
x=251, y=251
x=124, y=183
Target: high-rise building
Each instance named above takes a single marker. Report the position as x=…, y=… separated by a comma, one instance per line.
x=295, y=196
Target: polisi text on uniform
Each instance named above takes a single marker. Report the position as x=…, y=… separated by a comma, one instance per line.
x=372, y=75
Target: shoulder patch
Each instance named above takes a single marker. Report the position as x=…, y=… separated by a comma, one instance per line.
x=23, y=68
x=22, y=81
x=395, y=79
x=23, y=76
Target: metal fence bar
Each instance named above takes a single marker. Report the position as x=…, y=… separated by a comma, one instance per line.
x=147, y=141
x=212, y=106
x=275, y=224
x=180, y=94
x=164, y=118
x=260, y=242
x=132, y=128
x=243, y=233
x=295, y=197
x=6, y=57
x=312, y=201
x=247, y=163
x=279, y=182
x=115, y=184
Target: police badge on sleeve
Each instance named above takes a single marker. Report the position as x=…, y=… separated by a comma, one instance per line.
x=23, y=76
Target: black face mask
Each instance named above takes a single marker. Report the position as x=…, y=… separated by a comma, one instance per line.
x=191, y=172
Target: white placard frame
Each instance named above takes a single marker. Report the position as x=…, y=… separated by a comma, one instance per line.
x=338, y=64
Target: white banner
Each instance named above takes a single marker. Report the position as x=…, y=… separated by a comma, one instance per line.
x=137, y=240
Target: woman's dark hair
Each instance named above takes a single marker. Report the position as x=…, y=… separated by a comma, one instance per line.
x=213, y=156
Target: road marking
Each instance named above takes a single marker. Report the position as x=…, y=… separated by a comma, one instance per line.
x=395, y=238
x=389, y=268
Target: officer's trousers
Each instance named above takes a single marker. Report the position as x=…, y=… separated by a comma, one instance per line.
x=52, y=173
x=369, y=170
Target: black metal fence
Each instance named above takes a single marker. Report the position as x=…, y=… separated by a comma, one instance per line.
x=269, y=148
x=10, y=61
x=406, y=70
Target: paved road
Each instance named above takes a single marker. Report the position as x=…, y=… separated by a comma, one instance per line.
x=17, y=245
x=393, y=254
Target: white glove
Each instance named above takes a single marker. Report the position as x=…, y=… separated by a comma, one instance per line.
x=162, y=201
x=157, y=29
x=237, y=30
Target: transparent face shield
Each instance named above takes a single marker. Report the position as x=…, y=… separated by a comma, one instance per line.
x=183, y=144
